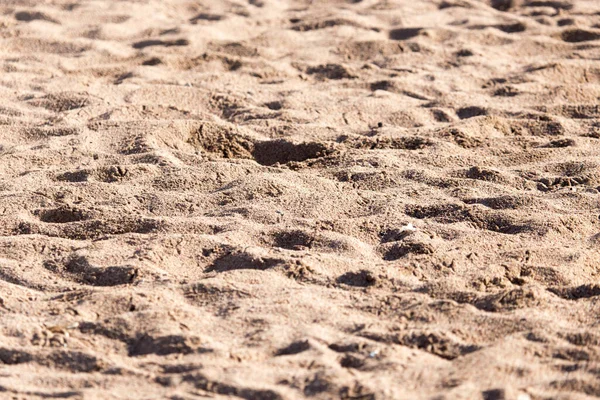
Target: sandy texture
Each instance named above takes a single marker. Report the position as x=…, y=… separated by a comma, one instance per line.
x=217, y=199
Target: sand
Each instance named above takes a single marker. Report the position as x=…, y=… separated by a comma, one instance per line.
x=285, y=199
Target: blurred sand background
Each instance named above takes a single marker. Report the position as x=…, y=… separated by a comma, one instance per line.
x=281, y=199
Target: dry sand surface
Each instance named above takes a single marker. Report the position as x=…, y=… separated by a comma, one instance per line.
x=217, y=199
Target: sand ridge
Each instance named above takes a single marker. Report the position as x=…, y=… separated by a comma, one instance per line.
x=217, y=199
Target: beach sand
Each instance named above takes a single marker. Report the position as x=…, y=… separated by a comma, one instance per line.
x=285, y=199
